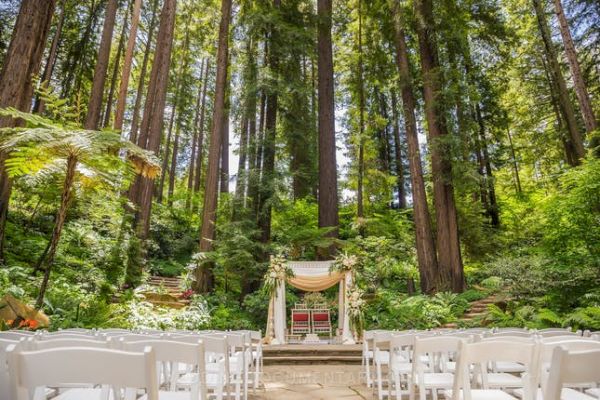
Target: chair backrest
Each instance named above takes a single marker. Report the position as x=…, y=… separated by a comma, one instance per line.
x=509, y=334
x=437, y=347
x=77, y=330
x=300, y=306
x=67, y=335
x=59, y=342
x=546, y=350
x=216, y=348
x=175, y=352
x=559, y=332
x=572, y=368
x=401, y=344
x=15, y=335
x=501, y=338
x=78, y=365
x=136, y=337
x=510, y=329
x=321, y=315
x=300, y=315
x=5, y=347
x=484, y=352
x=568, y=338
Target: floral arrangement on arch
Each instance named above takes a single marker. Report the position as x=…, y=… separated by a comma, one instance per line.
x=278, y=270
x=355, y=307
x=344, y=262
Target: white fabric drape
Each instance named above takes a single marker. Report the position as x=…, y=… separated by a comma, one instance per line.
x=279, y=316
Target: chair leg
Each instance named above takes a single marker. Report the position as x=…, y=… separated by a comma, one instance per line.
x=379, y=383
x=422, y=392
x=368, y=372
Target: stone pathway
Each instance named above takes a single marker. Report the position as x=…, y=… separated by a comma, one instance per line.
x=312, y=382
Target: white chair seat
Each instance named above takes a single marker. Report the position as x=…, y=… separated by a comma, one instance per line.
x=509, y=366
x=477, y=394
x=81, y=394
x=434, y=380
x=503, y=379
x=594, y=392
x=566, y=394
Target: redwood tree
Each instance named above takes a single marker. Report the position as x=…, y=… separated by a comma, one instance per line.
x=204, y=279
x=142, y=190
x=448, y=245
x=92, y=120
x=328, y=194
x=21, y=63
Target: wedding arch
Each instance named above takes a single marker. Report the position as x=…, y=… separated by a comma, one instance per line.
x=309, y=276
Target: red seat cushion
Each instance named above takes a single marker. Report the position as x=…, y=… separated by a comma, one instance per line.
x=320, y=317
x=300, y=317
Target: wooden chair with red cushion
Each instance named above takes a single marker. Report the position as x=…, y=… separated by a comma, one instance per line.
x=300, y=322
x=321, y=321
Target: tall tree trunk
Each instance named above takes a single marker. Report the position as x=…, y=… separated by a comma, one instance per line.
x=59, y=222
x=166, y=152
x=204, y=276
x=224, y=170
x=127, y=61
x=328, y=194
x=38, y=107
x=92, y=118
x=426, y=253
x=21, y=63
x=77, y=54
x=200, y=151
x=398, y=153
x=360, y=212
x=580, y=88
x=133, y=137
x=514, y=162
x=173, y=168
x=142, y=189
x=115, y=73
x=240, y=184
x=492, y=209
x=195, y=135
x=566, y=107
x=268, y=169
x=448, y=244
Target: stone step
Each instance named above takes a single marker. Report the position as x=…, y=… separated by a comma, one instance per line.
x=301, y=354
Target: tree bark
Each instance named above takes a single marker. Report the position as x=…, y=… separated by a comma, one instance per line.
x=240, y=184
x=115, y=73
x=195, y=135
x=360, y=212
x=65, y=199
x=328, y=194
x=566, y=107
x=39, y=107
x=133, y=136
x=398, y=153
x=92, y=118
x=151, y=128
x=268, y=168
x=166, y=152
x=492, y=207
x=451, y=275
x=426, y=253
x=200, y=151
x=514, y=162
x=204, y=276
x=127, y=62
x=224, y=170
x=583, y=96
x=21, y=62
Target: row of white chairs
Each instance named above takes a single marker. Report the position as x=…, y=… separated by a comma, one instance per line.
x=115, y=364
x=501, y=364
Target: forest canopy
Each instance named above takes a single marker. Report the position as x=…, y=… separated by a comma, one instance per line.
x=451, y=146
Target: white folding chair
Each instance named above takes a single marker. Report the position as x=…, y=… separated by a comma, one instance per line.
x=16, y=335
x=381, y=358
x=172, y=354
x=558, y=332
x=367, y=355
x=429, y=367
x=60, y=342
x=571, y=368
x=34, y=370
x=4, y=382
x=239, y=362
x=218, y=374
x=545, y=351
x=66, y=335
x=509, y=367
x=400, y=366
x=479, y=355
